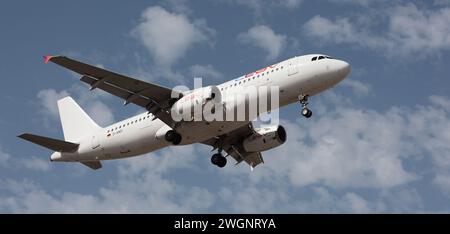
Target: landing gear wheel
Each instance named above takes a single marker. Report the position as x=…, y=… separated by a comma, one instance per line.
x=222, y=162
x=307, y=113
x=172, y=136
x=303, y=99
x=218, y=160
x=177, y=139
x=215, y=158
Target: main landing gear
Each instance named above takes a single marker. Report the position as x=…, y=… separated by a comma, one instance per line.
x=173, y=137
x=303, y=99
x=218, y=159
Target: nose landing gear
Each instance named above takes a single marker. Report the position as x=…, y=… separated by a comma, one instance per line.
x=303, y=99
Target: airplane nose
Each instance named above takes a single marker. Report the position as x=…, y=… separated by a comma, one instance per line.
x=343, y=68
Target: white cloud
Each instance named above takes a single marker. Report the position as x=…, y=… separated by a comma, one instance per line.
x=142, y=186
x=100, y=113
x=35, y=163
x=264, y=38
x=20, y=163
x=358, y=87
x=346, y=149
x=259, y=7
x=180, y=6
x=359, y=2
x=205, y=71
x=95, y=108
x=407, y=30
x=48, y=100
x=168, y=36
x=443, y=182
x=253, y=199
x=441, y=2
x=352, y=148
x=440, y=101
x=356, y=203
x=4, y=158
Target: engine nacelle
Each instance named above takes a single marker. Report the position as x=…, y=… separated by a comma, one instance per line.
x=197, y=99
x=265, y=139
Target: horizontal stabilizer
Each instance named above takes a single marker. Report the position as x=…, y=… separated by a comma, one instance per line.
x=93, y=165
x=50, y=143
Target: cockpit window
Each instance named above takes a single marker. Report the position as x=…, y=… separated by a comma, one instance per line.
x=320, y=57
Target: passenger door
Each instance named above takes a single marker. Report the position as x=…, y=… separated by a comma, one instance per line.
x=293, y=67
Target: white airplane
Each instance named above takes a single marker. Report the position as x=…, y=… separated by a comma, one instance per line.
x=86, y=142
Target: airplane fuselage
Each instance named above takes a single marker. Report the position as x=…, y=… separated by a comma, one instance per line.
x=144, y=133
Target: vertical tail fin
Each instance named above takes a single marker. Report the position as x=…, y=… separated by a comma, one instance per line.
x=75, y=122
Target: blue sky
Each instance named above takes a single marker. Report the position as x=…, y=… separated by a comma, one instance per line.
x=378, y=143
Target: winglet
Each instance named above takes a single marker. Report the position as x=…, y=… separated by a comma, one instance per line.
x=47, y=58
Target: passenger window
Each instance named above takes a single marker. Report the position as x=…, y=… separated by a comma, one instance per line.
x=314, y=59
x=321, y=57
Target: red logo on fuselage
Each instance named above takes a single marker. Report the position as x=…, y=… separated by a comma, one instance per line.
x=260, y=71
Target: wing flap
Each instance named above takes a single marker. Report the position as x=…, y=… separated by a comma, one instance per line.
x=50, y=143
x=114, y=90
x=254, y=159
x=94, y=165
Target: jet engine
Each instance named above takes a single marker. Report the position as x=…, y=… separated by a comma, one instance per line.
x=264, y=139
x=197, y=99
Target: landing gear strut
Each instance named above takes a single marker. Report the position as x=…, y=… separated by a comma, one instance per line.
x=172, y=136
x=218, y=159
x=303, y=99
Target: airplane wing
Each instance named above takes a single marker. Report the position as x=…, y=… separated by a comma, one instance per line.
x=231, y=144
x=154, y=98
